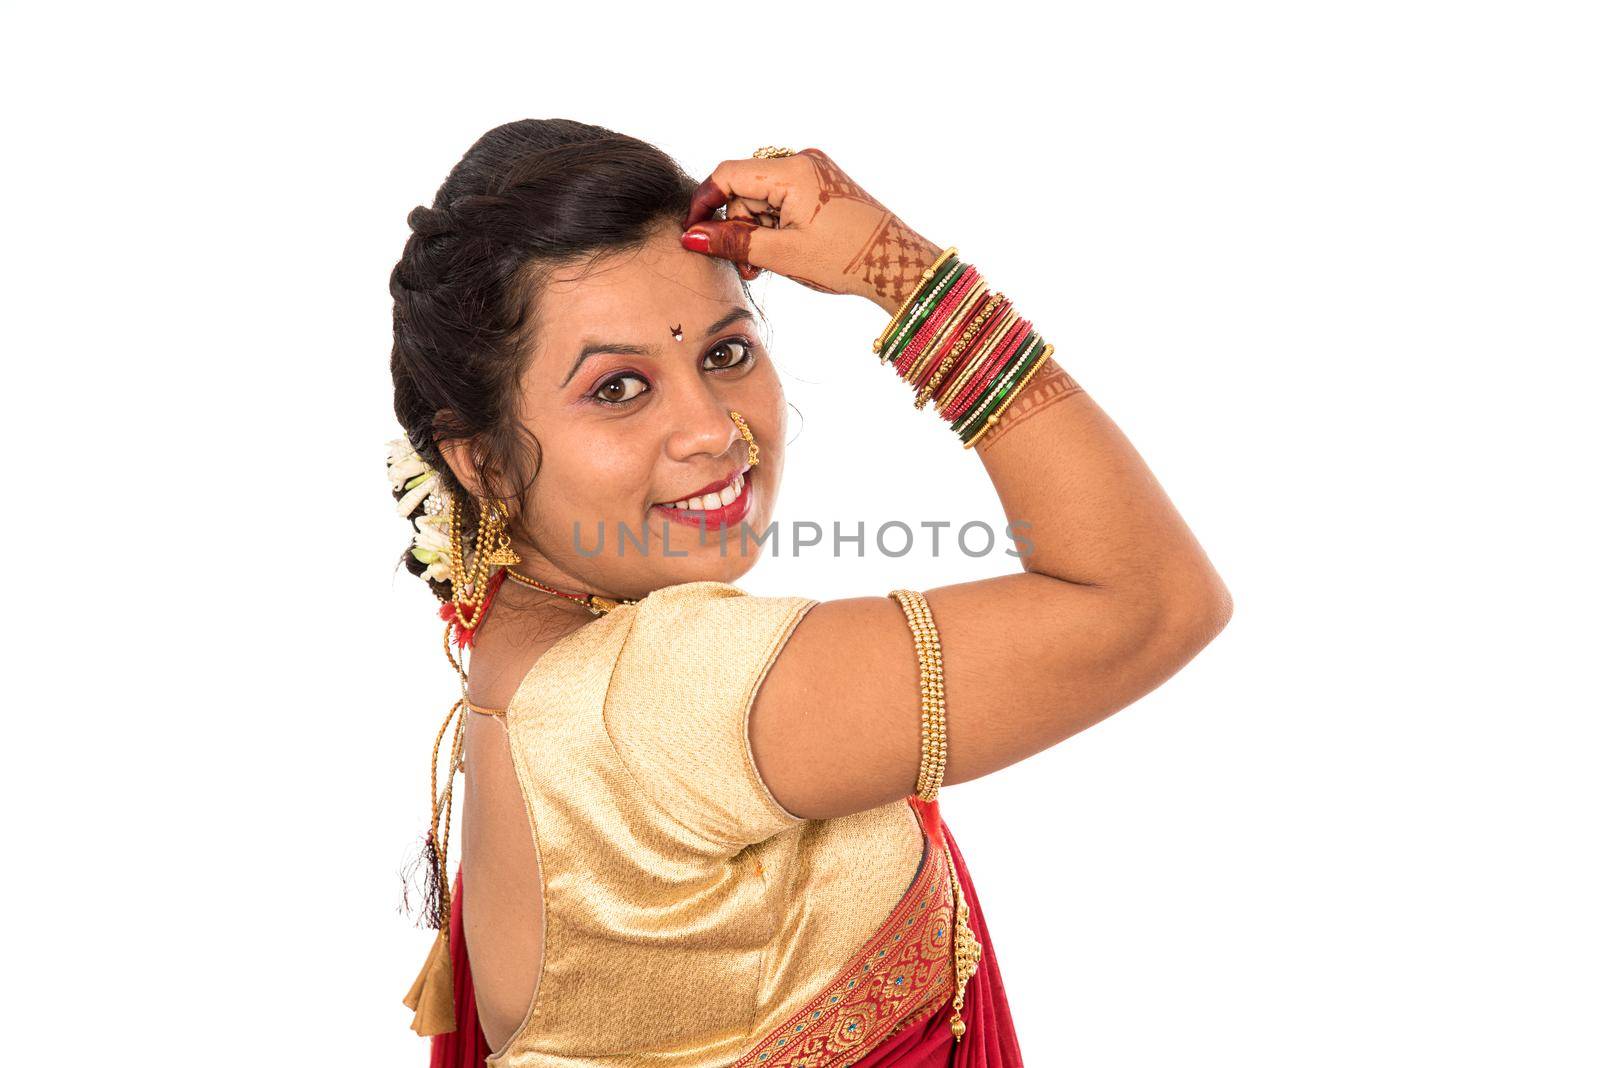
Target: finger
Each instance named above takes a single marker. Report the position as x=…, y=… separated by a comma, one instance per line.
x=707, y=198
x=726, y=239
x=749, y=246
x=753, y=179
x=740, y=208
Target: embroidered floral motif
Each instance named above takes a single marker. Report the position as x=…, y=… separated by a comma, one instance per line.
x=905, y=971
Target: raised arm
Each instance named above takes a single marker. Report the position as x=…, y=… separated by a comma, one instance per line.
x=1116, y=593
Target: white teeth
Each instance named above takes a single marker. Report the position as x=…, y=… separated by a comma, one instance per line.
x=710, y=501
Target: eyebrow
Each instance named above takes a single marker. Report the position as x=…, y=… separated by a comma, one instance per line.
x=593, y=347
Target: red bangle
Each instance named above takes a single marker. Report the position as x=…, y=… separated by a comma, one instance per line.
x=937, y=322
x=979, y=342
x=941, y=314
x=931, y=368
x=954, y=406
x=979, y=383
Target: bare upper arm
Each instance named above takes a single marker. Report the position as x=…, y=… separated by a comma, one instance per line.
x=1029, y=660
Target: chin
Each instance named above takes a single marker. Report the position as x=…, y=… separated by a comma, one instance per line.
x=684, y=557
x=719, y=569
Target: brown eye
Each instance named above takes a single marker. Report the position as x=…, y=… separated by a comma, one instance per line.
x=619, y=390
x=728, y=354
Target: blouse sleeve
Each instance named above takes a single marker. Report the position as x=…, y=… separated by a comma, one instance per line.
x=678, y=706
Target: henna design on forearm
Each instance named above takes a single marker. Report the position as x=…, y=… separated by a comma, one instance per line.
x=1050, y=386
x=892, y=260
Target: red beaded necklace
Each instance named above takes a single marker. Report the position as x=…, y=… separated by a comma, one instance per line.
x=595, y=603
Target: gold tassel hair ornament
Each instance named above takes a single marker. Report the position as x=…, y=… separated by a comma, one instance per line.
x=432, y=994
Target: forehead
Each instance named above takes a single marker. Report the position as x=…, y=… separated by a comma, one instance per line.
x=635, y=296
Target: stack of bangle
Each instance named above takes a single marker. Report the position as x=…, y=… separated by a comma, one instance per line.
x=962, y=347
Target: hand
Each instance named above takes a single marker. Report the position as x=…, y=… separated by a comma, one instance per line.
x=804, y=218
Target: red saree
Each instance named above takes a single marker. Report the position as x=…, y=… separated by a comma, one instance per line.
x=990, y=1040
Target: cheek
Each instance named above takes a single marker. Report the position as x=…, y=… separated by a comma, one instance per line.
x=773, y=409
x=601, y=479
x=778, y=419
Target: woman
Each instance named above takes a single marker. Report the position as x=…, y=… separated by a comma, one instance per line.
x=700, y=827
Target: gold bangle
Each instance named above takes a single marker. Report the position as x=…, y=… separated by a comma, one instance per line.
x=927, y=273
x=929, y=297
x=978, y=359
x=930, y=666
x=1015, y=393
x=979, y=290
x=1031, y=348
x=973, y=329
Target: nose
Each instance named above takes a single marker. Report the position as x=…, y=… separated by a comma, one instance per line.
x=701, y=426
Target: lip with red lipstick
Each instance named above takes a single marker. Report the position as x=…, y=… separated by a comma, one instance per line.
x=705, y=505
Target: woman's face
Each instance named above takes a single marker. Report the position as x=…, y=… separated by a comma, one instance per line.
x=631, y=419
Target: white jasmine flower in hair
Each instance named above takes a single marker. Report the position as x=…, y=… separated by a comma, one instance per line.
x=415, y=490
x=432, y=545
x=411, y=473
x=418, y=483
x=404, y=463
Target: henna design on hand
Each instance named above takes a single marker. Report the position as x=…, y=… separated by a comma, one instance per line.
x=809, y=284
x=729, y=239
x=892, y=260
x=704, y=202
x=1049, y=386
x=833, y=182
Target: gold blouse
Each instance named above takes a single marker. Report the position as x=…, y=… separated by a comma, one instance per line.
x=690, y=920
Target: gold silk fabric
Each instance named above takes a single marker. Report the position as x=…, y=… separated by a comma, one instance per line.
x=688, y=916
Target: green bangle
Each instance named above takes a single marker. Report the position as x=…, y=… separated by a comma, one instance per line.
x=997, y=391
x=923, y=304
x=926, y=273
x=1012, y=394
x=997, y=403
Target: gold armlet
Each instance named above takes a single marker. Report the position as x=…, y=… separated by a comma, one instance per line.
x=930, y=664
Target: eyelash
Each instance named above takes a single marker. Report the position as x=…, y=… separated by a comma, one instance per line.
x=748, y=357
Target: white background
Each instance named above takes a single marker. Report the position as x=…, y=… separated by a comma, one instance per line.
x=1332, y=267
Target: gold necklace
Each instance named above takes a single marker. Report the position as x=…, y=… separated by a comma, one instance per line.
x=596, y=604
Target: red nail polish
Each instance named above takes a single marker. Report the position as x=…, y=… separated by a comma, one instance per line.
x=696, y=240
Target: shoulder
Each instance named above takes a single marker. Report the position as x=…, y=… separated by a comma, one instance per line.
x=674, y=615
x=677, y=709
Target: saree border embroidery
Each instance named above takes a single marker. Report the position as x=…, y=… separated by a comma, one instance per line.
x=904, y=972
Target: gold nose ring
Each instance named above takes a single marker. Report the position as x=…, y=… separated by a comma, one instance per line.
x=749, y=438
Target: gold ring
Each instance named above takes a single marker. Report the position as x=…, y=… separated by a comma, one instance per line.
x=771, y=152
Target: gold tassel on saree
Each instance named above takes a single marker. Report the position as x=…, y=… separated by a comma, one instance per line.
x=432, y=994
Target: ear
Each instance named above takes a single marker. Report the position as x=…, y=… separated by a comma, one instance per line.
x=458, y=454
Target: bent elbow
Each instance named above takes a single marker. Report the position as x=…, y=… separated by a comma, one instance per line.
x=1196, y=613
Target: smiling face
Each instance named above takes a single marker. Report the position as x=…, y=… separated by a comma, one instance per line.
x=630, y=419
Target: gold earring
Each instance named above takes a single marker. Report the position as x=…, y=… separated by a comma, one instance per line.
x=749, y=438
x=496, y=537
x=491, y=547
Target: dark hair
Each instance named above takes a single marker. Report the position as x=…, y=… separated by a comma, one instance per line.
x=527, y=197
